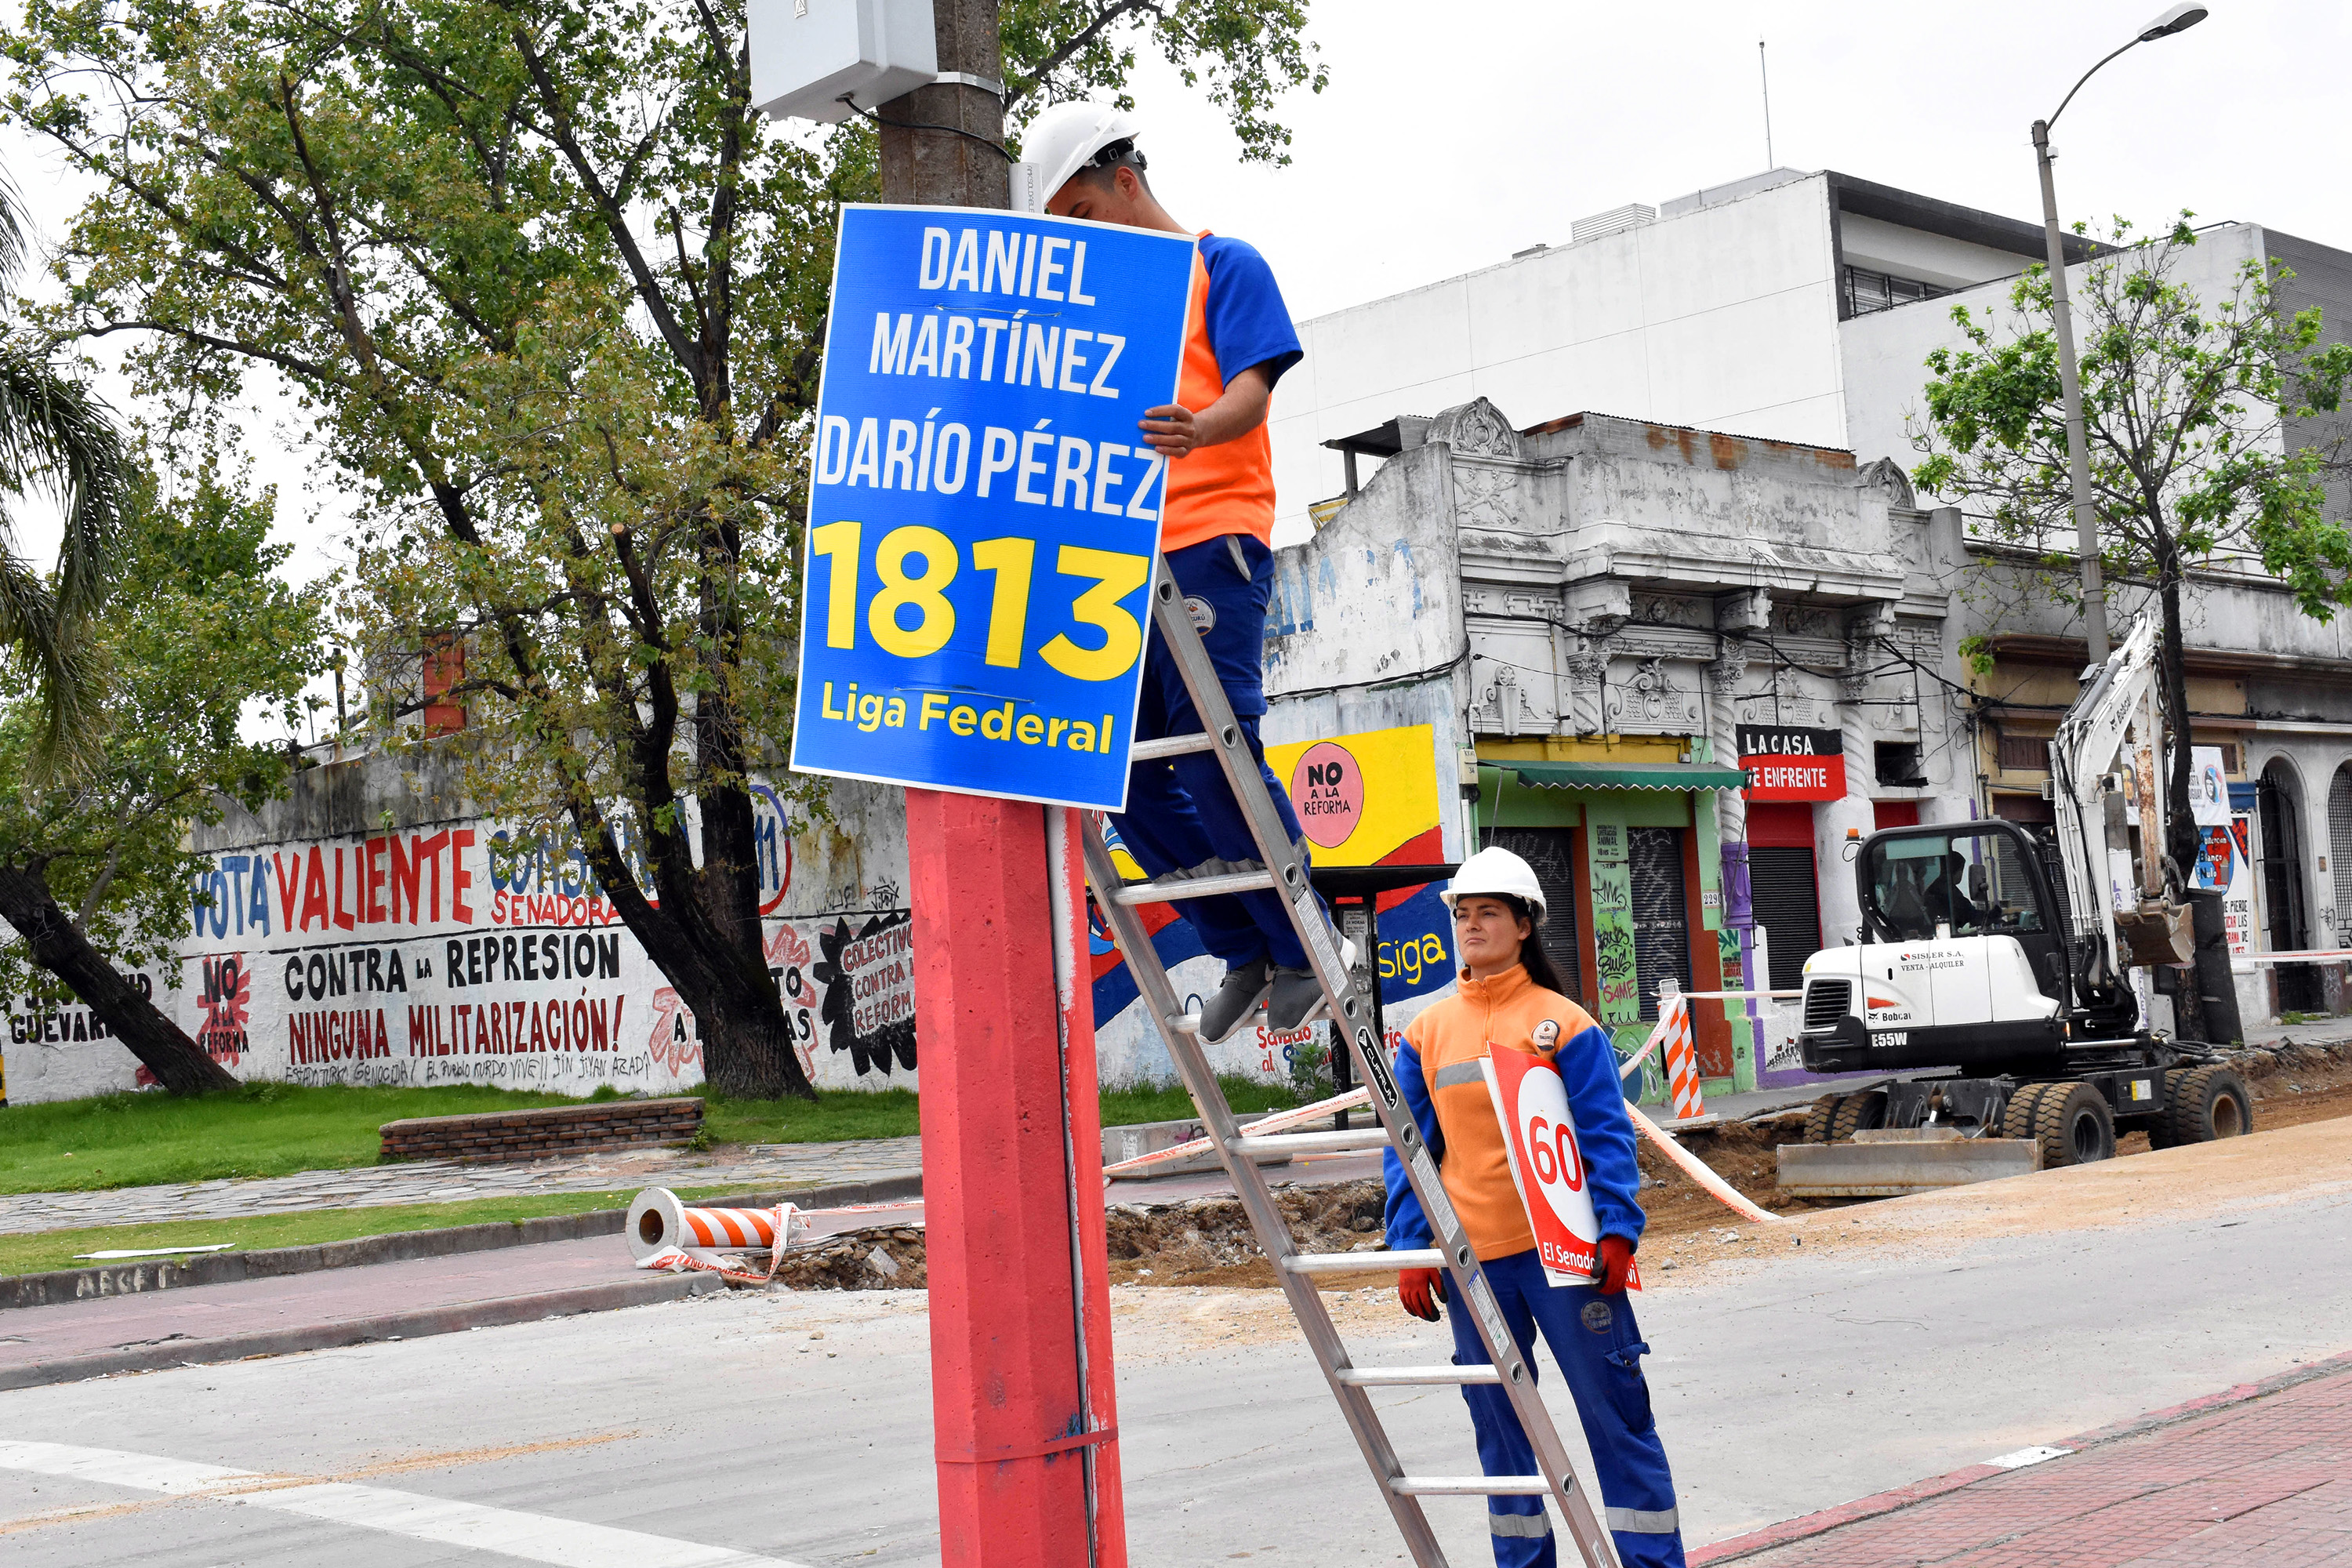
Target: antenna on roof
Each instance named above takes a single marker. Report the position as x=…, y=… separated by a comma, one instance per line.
x=1764, y=74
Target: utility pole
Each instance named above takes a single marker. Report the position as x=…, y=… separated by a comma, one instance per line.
x=2175, y=18
x=2070, y=386
x=1021, y=1397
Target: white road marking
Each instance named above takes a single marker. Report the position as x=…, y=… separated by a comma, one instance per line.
x=535, y=1537
x=2024, y=1457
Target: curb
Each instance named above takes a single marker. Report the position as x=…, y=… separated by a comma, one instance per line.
x=1880, y=1504
x=60, y=1286
x=419, y=1325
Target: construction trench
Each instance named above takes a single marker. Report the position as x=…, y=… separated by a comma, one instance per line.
x=1206, y=1241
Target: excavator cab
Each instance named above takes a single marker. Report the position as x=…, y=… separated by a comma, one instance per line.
x=1958, y=879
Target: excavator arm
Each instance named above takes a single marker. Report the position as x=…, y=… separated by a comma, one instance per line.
x=2111, y=746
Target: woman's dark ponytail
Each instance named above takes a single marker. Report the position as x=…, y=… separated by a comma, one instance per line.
x=1532, y=953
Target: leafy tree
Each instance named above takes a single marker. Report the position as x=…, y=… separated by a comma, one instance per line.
x=94, y=869
x=556, y=295
x=1247, y=51
x=2184, y=402
x=54, y=434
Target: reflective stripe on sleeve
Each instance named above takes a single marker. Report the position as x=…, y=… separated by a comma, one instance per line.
x=1641, y=1521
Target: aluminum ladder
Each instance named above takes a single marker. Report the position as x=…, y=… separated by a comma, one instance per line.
x=1347, y=1006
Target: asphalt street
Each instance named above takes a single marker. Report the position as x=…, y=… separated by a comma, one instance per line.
x=722, y=1431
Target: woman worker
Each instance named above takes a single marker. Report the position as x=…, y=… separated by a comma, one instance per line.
x=1510, y=999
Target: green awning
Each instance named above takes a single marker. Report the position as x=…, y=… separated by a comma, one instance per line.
x=1627, y=775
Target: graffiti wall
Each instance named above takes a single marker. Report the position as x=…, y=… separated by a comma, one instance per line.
x=453, y=950
x=1363, y=799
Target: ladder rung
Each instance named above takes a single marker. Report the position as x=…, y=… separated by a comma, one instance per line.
x=1356, y=1262
x=1173, y=746
x=1470, y=1486
x=1333, y=1142
x=1400, y=1377
x=1193, y=888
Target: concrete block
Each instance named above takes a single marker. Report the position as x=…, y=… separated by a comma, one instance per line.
x=1891, y=1169
x=1150, y=1137
x=1146, y=1138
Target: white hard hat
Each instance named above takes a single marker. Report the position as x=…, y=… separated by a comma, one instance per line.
x=1066, y=138
x=1495, y=873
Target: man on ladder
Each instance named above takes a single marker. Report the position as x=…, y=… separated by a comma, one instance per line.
x=1510, y=999
x=1216, y=533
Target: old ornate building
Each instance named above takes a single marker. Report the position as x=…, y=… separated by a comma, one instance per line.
x=1612, y=618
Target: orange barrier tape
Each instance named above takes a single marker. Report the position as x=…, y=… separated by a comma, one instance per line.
x=1697, y=1171
x=1355, y=1099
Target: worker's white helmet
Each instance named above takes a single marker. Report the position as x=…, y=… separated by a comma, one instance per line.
x=1066, y=138
x=1495, y=873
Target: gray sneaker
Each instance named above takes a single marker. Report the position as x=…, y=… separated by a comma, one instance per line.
x=1297, y=992
x=1245, y=987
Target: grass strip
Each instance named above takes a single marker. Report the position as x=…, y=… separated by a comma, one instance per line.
x=41, y=1251
x=275, y=1128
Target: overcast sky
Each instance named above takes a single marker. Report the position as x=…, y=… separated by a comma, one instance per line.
x=1453, y=135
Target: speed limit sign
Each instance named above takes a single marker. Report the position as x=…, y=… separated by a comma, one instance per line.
x=1547, y=1165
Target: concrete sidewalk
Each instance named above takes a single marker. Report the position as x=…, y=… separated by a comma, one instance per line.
x=417, y=1297
x=2260, y=1474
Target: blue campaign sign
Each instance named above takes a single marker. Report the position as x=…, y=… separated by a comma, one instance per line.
x=984, y=513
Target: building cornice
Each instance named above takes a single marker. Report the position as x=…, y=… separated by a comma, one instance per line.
x=2036, y=648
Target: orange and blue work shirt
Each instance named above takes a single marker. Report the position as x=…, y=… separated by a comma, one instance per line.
x=1437, y=1071
x=1237, y=320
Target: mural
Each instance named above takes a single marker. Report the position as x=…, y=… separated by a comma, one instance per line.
x=469, y=951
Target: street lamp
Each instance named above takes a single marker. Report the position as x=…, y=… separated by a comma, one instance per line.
x=2173, y=19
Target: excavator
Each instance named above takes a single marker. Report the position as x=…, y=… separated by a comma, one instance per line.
x=2000, y=985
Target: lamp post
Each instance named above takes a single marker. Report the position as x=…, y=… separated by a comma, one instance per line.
x=2173, y=19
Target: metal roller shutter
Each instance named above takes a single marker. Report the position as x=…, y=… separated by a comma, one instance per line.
x=1545, y=849
x=2339, y=850
x=2284, y=915
x=1788, y=906
x=1661, y=912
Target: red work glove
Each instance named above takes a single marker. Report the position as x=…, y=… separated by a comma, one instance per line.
x=1614, y=1266
x=1420, y=1290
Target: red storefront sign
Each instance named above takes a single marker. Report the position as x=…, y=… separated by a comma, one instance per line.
x=1792, y=764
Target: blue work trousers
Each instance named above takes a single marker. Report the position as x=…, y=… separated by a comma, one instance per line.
x=1599, y=1348
x=1180, y=813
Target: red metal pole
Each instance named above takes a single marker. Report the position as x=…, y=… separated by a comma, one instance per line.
x=1011, y=1193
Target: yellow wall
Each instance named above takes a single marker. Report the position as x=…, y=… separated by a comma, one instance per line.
x=1575, y=749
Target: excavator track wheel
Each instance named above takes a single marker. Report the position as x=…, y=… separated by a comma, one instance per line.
x=1858, y=1113
x=2017, y=1121
x=1821, y=1119
x=2073, y=1125
x=2210, y=1103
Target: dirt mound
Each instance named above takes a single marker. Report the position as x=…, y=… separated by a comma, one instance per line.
x=881, y=1257
x=1208, y=1241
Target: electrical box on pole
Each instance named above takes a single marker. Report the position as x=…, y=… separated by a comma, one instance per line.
x=807, y=54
